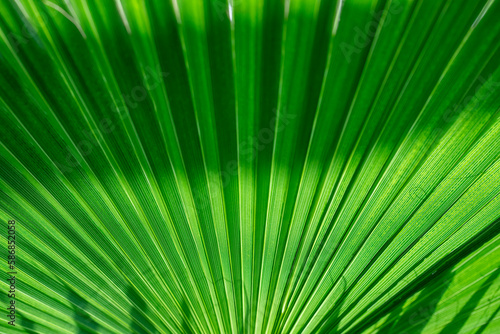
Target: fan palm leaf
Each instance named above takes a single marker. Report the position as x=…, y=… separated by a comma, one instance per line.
x=229, y=166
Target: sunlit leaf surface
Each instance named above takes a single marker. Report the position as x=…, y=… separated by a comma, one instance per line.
x=251, y=166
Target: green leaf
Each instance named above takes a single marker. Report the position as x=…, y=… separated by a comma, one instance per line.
x=229, y=166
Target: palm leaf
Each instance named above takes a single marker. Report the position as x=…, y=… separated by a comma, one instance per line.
x=227, y=166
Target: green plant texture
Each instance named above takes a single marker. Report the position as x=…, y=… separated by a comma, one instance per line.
x=250, y=166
